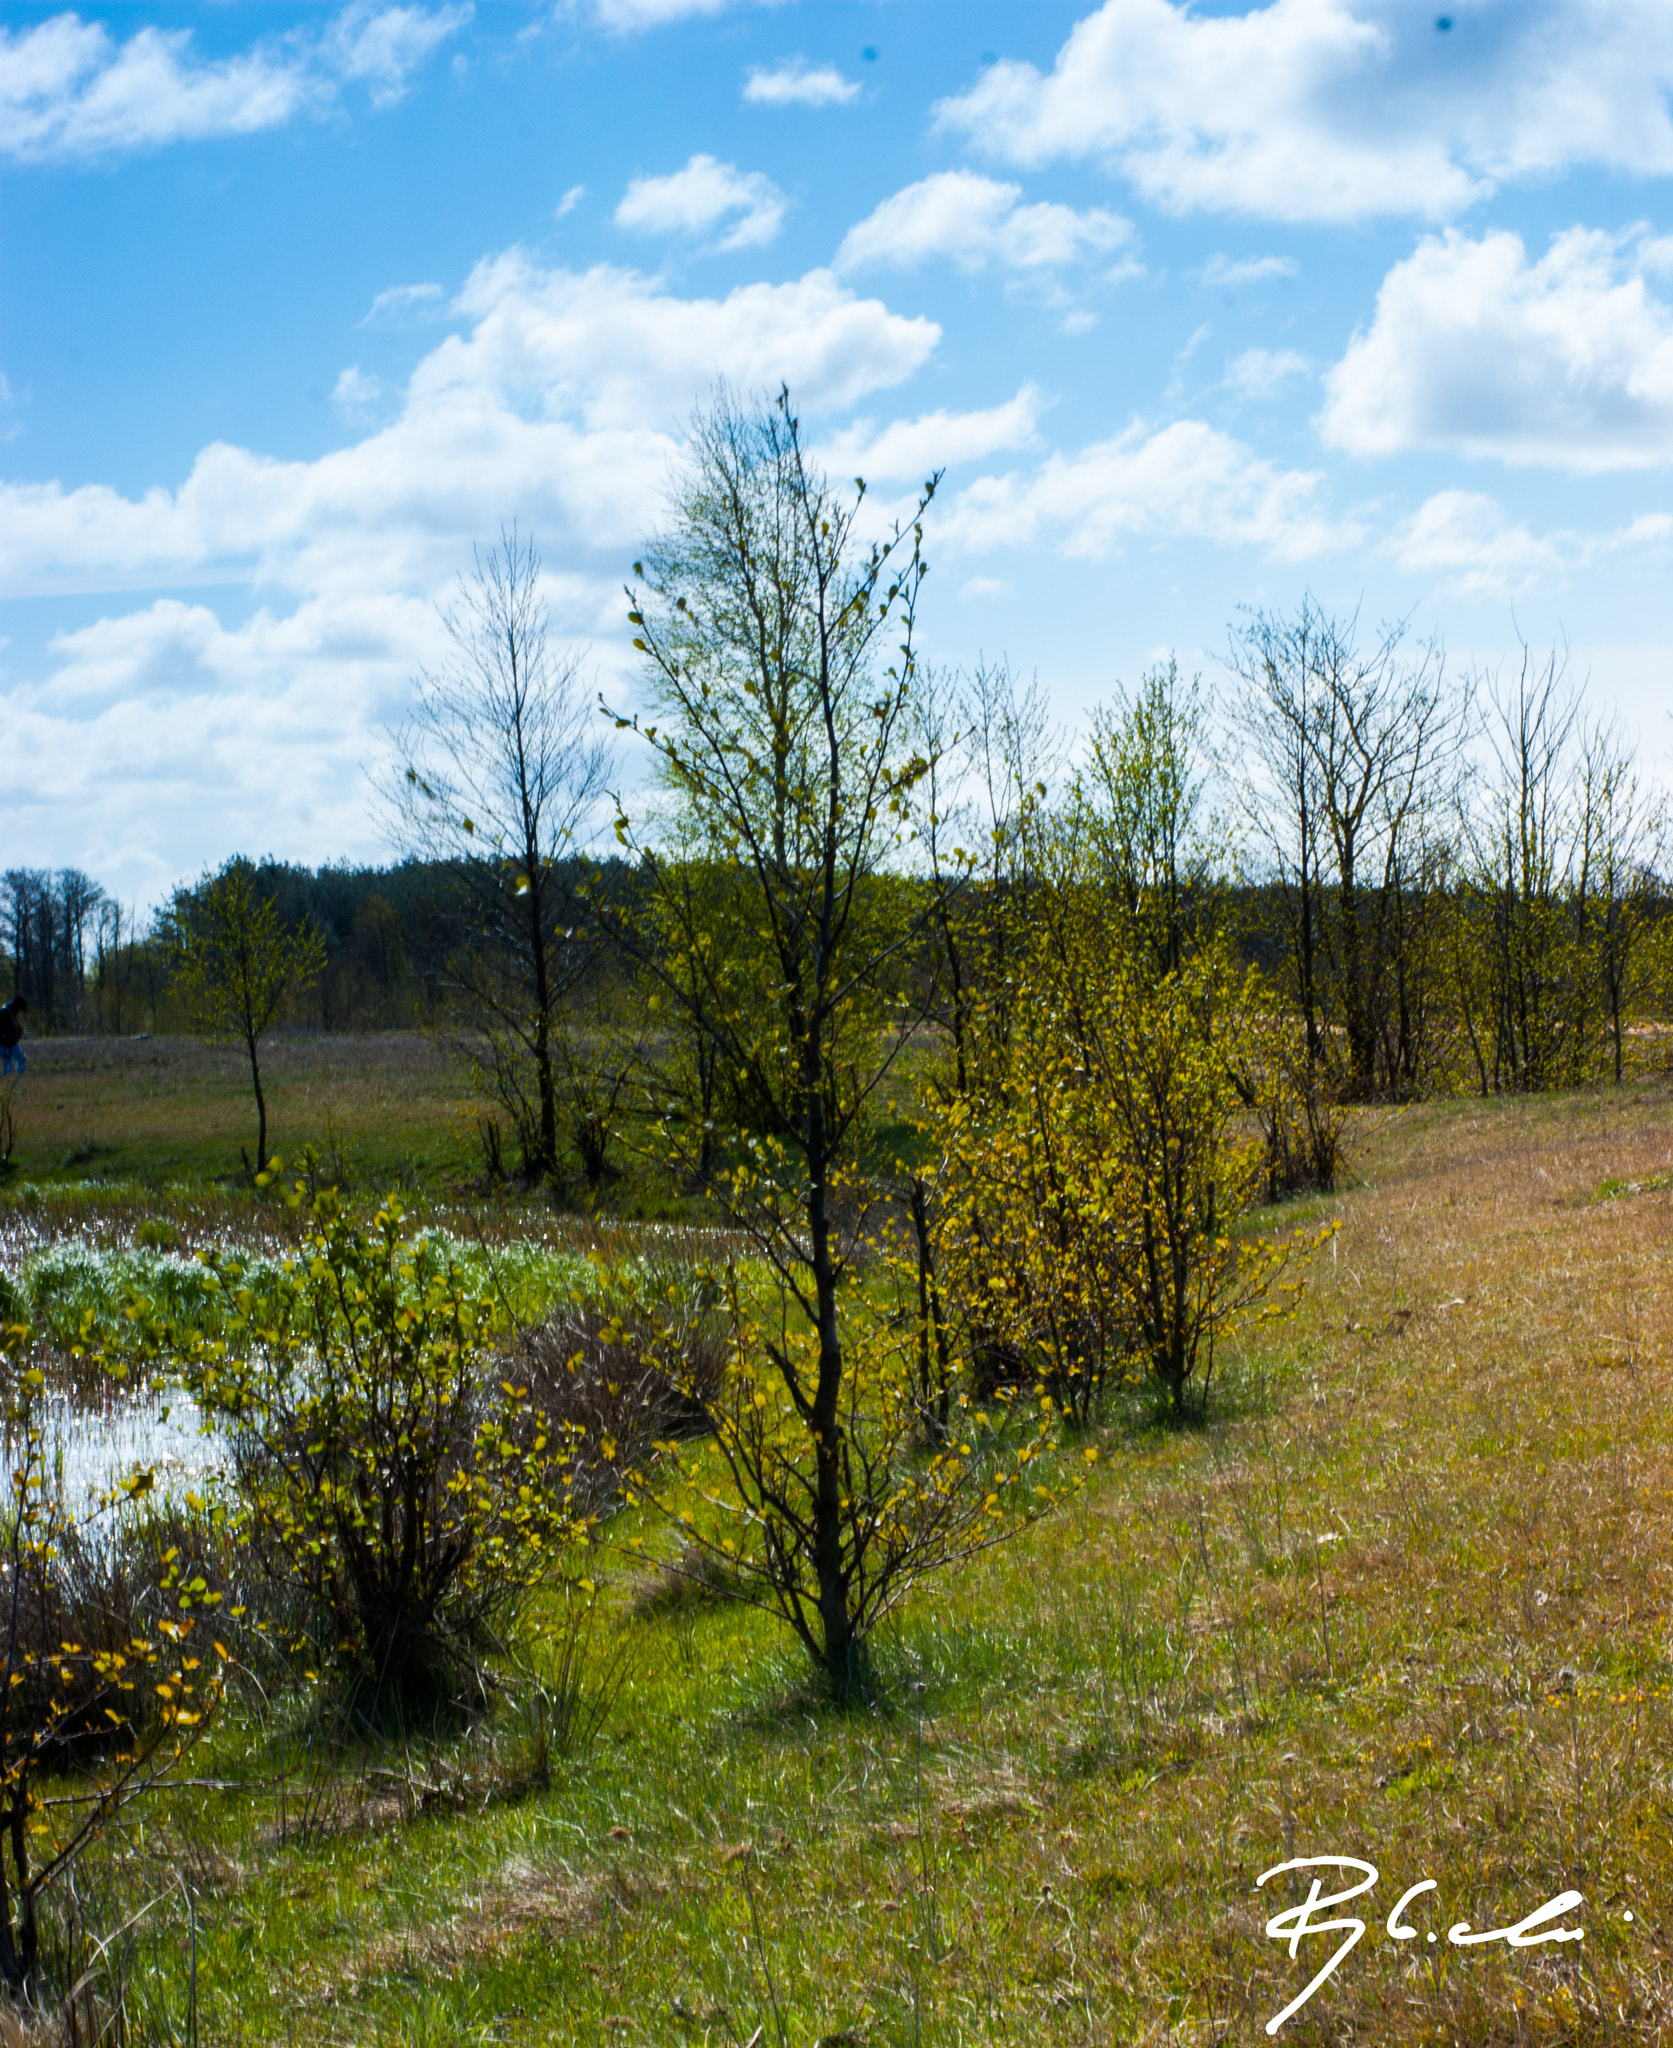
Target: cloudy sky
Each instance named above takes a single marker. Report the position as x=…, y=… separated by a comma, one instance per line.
x=1199, y=307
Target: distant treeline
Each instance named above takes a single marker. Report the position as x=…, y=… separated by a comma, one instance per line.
x=86, y=964
x=394, y=935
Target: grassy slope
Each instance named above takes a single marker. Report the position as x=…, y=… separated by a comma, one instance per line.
x=1101, y=1735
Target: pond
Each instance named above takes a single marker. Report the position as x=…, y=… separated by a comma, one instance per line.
x=91, y=1446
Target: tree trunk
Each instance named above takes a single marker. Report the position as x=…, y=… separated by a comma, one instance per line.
x=1615, y=1024
x=842, y=1648
x=544, y=1082
x=1614, y=968
x=261, y=1108
x=1307, y=949
x=933, y=1393
x=1356, y=1008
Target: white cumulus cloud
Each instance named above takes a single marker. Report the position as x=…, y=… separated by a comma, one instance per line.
x=1337, y=110
x=617, y=349
x=1261, y=372
x=1465, y=539
x=1475, y=350
x=911, y=449
x=975, y=221
x=798, y=84
x=1468, y=542
x=701, y=197
x=70, y=91
x=1183, y=481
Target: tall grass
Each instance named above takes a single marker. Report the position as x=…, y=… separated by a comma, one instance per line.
x=69, y=1286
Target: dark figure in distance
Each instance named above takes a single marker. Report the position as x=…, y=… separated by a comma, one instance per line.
x=13, y=1059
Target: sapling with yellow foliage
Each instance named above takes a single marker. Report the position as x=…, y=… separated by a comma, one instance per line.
x=1096, y=1197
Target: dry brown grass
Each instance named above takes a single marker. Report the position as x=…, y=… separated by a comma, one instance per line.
x=1468, y=1679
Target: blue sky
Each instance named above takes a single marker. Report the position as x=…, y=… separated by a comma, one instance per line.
x=1199, y=307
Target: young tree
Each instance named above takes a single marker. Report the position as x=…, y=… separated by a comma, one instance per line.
x=1141, y=795
x=237, y=965
x=498, y=778
x=779, y=723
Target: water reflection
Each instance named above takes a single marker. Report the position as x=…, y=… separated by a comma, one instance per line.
x=89, y=1448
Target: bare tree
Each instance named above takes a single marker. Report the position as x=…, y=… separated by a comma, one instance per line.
x=1564, y=839
x=499, y=776
x=1355, y=754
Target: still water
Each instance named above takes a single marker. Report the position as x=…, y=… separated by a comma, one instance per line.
x=89, y=1448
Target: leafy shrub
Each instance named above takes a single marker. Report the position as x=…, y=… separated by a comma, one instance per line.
x=385, y=1473
x=1094, y=1198
x=616, y=1384
x=741, y=1491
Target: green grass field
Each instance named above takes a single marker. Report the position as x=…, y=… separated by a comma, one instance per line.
x=1404, y=1598
x=173, y=1113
